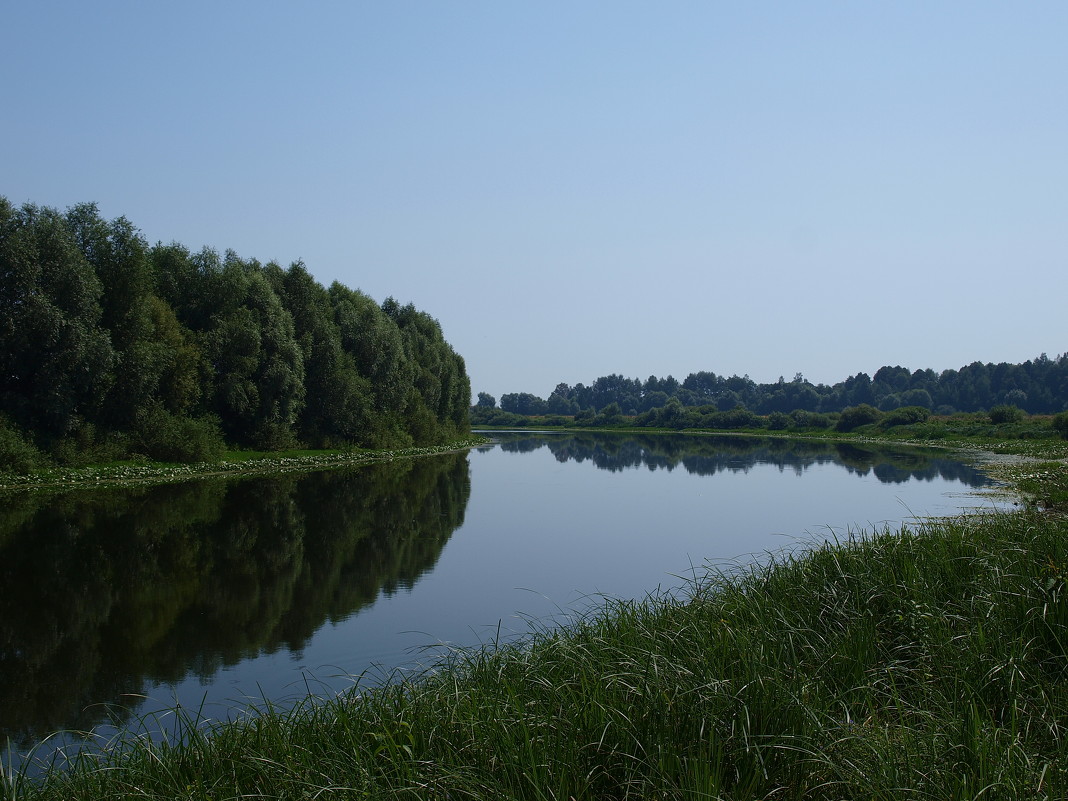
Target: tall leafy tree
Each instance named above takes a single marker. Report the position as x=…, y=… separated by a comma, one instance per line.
x=375, y=343
x=119, y=257
x=56, y=361
x=337, y=408
x=247, y=338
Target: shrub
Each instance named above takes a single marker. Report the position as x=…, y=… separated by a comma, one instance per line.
x=585, y=417
x=17, y=453
x=1005, y=413
x=804, y=419
x=1060, y=424
x=175, y=438
x=779, y=421
x=906, y=415
x=856, y=416
x=610, y=415
x=738, y=417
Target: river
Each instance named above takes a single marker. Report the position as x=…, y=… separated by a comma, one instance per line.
x=117, y=605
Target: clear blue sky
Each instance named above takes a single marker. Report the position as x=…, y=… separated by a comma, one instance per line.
x=575, y=189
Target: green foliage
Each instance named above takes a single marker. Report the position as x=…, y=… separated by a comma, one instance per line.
x=738, y=417
x=523, y=403
x=610, y=415
x=49, y=325
x=168, y=437
x=585, y=416
x=1005, y=413
x=486, y=401
x=905, y=415
x=925, y=663
x=1060, y=424
x=485, y=416
x=104, y=335
x=1039, y=386
x=337, y=406
x=17, y=453
x=857, y=416
x=811, y=420
x=779, y=421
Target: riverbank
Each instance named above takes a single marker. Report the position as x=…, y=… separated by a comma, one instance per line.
x=925, y=664
x=234, y=463
x=920, y=663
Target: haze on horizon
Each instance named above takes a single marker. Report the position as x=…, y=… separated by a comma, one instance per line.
x=576, y=190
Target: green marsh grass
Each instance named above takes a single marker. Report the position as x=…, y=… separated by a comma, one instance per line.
x=927, y=663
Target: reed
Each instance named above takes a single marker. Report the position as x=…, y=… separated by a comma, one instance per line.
x=925, y=663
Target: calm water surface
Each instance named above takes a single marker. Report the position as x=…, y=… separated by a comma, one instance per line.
x=116, y=605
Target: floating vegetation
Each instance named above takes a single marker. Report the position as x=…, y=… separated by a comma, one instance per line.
x=128, y=474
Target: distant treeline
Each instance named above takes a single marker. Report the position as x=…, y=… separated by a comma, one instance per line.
x=111, y=348
x=1038, y=386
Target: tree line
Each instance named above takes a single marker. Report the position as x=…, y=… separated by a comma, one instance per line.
x=1038, y=386
x=111, y=348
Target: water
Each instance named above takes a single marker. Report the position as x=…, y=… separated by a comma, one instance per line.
x=116, y=605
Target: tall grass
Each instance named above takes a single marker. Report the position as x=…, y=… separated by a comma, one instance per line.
x=928, y=663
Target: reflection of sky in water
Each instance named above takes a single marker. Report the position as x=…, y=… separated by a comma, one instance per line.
x=542, y=538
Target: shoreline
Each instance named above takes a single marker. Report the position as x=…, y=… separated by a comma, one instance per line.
x=128, y=475
x=839, y=657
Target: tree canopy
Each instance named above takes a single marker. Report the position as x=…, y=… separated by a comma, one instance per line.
x=1038, y=386
x=111, y=348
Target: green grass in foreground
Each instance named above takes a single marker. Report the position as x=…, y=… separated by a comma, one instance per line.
x=926, y=664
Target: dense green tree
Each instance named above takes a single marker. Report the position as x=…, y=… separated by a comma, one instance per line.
x=440, y=399
x=180, y=365
x=610, y=415
x=486, y=401
x=56, y=361
x=120, y=257
x=110, y=343
x=337, y=408
x=375, y=343
x=856, y=416
x=917, y=397
x=891, y=379
x=858, y=390
x=705, y=384
x=523, y=403
x=561, y=404
x=1040, y=386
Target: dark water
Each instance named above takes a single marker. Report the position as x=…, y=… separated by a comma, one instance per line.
x=117, y=604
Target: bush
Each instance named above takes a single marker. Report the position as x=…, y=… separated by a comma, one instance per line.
x=174, y=438
x=1005, y=413
x=779, y=421
x=17, y=453
x=906, y=415
x=738, y=417
x=610, y=415
x=1060, y=424
x=585, y=417
x=856, y=416
x=805, y=419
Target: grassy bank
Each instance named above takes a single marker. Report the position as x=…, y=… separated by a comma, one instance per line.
x=930, y=663
x=925, y=665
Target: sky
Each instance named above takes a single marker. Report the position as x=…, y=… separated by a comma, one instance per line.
x=578, y=189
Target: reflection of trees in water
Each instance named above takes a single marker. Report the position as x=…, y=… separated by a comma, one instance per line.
x=101, y=591
x=708, y=455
